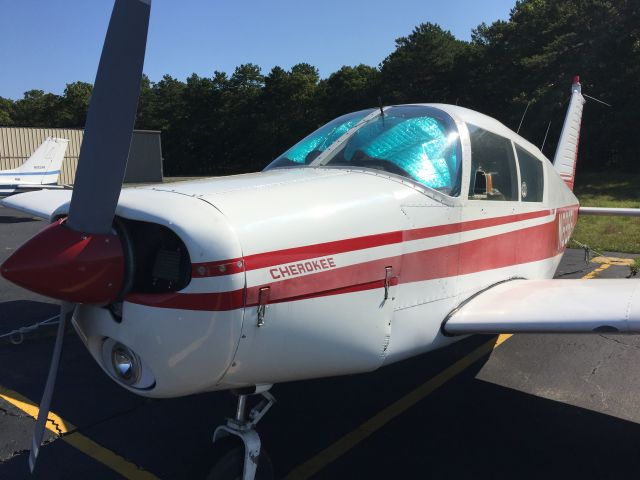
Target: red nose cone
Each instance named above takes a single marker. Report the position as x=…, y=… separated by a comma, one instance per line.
x=68, y=265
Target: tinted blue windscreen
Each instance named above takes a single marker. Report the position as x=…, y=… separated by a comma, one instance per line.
x=306, y=150
x=413, y=141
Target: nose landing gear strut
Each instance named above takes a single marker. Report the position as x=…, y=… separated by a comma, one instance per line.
x=249, y=464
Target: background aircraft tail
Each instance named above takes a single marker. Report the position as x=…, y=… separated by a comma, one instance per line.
x=567, y=151
x=43, y=167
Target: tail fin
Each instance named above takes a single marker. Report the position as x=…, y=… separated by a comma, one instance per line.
x=567, y=151
x=43, y=167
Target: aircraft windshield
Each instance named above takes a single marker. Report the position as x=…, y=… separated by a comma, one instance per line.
x=414, y=141
x=307, y=150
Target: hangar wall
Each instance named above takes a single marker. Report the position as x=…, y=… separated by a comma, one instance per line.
x=145, y=156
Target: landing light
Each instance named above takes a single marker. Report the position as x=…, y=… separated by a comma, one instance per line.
x=126, y=365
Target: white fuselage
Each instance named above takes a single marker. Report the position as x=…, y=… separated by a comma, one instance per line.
x=320, y=248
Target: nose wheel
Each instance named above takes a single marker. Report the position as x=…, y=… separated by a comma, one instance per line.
x=244, y=461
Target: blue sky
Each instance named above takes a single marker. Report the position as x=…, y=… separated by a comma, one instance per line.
x=44, y=45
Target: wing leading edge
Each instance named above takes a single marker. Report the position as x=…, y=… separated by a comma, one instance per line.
x=550, y=306
x=41, y=203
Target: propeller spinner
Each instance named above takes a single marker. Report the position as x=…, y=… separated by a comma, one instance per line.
x=80, y=259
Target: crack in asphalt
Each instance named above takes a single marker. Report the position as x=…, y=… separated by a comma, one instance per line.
x=595, y=369
x=59, y=433
x=8, y=413
x=19, y=414
x=601, y=393
x=589, y=378
x=615, y=340
x=13, y=455
x=57, y=427
x=17, y=453
x=88, y=426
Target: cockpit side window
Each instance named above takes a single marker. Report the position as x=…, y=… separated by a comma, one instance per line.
x=531, y=176
x=307, y=150
x=493, y=167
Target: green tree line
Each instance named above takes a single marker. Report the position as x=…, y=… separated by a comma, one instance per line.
x=238, y=123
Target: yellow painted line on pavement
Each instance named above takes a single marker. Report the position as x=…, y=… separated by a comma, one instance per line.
x=375, y=423
x=54, y=422
x=614, y=261
x=69, y=434
x=596, y=272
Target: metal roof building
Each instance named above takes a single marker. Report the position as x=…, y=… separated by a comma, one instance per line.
x=145, y=156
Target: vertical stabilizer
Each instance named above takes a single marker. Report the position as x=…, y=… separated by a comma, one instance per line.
x=567, y=151
x=43, y=167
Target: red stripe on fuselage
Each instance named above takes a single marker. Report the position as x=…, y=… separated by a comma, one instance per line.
x=210, y=302
x=297, y=254
x=474, y=256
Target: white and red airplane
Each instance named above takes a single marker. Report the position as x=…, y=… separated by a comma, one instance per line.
x=385, y=234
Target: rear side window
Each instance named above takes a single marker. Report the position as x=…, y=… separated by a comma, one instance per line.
x=531, y=176
x=493, y=167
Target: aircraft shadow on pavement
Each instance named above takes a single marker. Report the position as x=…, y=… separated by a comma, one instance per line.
x=12, y=219
x=468, y=428
x=473, y=429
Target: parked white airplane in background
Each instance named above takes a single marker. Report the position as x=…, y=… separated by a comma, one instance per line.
x=40, y=171
x=380, y=236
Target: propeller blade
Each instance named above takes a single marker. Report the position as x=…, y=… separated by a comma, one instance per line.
x=66, y=312
x=110, y=120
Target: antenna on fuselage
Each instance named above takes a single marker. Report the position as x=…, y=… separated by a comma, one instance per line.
x=523, y=115
x=597, y=100
x=545, y=136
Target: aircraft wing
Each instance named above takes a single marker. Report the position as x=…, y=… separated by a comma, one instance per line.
x=37, y=186
x=41, y=203
x=546, y=306
x=610, y=211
